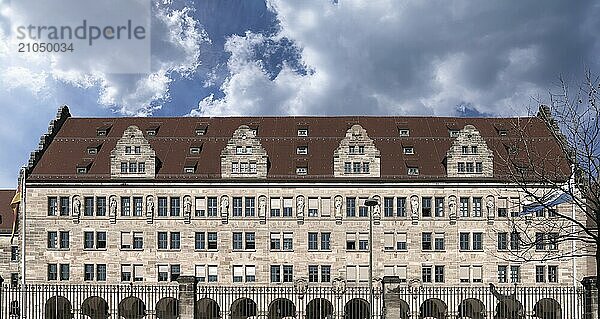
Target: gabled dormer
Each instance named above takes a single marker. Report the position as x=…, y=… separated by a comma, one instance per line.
x=244, y=156
x=133, y=157
x=357, y=155
x=469, y=155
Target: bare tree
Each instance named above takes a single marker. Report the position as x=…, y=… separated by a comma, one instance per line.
x=570, y=176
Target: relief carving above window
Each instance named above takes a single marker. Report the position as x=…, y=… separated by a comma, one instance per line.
x=357, y=155
x=244, y=156
x=469, y=155
x=133, y=157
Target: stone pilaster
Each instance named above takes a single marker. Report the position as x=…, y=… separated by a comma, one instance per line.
x=187, y=296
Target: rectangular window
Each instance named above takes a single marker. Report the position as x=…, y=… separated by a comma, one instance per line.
x=212, y=240
x=126, y=271
x=326, y=273
x=464, y=241
x=502, y=275
x=200, y=209
x=64, y=240
x=540, y=273
x=502, y=241
x=124, y=168
x=540, y=243
x=125, y=206
x=351, y=206
x=100, y=206
x=313, y=207
x=64, y=272
x=64, y=206
x=401, y=241
x=126, y=240
x=350, y=241
x=175, y=206
x=502, y=212
x=401, y=206
x=347, y=167
x=426, y=207
x=439, y=242
x=553, y=241
x=426, y=243
x=251, y=241
x=88, y=206
x=163, y=273
x=199, y=240
x=515, y=240
x=88, y=272
x=388, y=241
x=363, y=210
x=212, y=274
x=275, y=273
x=288, y=273
x=470, y=168
x=275, y=206
x=14, y=253
x=426, y=273
x=287, y=207
x=313, y=273
x=138, y=209
x=52, y=272
x=478, y=167
x=200, y=273
x=477, y=207
x=325, y=241
x=175, y=240
x=288, y=241
x=477, y=273
x=461, y=167
x=477, y=241
x=275, y=241
x=138, y=240
x=250, y=202
x=515, y=274
x=52, y=240
x=388, y=206
x=88, y=240
x=212, y=207
x=439, y=274
x=439, y=207
x=464, y=207
x=52, y=206
x=175, y=272
x=464, y=274
x=162, y=206
x=142, y=167
x=237, y=241
x=238, y=273
x=552, y=273
x=101, y=272
x=237, y=207
x=162, y=240
x=351, y=274
x=363, y=241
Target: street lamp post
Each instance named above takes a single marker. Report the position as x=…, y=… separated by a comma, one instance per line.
x=371, y=202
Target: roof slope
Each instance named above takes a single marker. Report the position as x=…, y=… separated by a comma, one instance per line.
x=428, y=135
x=6, y=215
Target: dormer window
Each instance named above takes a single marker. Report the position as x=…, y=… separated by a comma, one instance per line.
x=408, y=150
x=103, y=130
x=151, y=132
x=189, y=167
x=404, y=132
x=302, y=150
x=301, y=170
x=189, y=170
x=81, y=170
x=195, y=150
x=302, y=132
x=243, y=150
x=201, y=129
x=453, y=133
x=413, y=171
x=502, y=132
x=93, y=150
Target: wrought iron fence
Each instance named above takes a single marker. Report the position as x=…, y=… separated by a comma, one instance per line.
x=405, y=302
x=299, y=301
x=88, y=301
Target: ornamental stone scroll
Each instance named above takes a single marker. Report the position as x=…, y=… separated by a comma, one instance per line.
x=490, y=207
x=300, y=205
x=187, y=209
x=149, y=209
x=414, y=208
x=76, y=210
x=337, y=204
x=112, y=209
x=224, y=209
x=262, y=209
x=452, y=208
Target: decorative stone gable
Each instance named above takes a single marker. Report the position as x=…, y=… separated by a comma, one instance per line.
x=133, y=157
x=469, y=155
x=357, y=155
x=244, y=156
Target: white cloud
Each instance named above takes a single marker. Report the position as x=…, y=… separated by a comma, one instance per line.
x=414, y=57
x=176, y=38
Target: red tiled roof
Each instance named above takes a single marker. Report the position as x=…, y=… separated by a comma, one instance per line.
x=428, y=135
x=6, y=214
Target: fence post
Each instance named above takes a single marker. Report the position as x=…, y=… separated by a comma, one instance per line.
x=187, y=296
x=2, y=305
x=591, y=297
x=391, y=300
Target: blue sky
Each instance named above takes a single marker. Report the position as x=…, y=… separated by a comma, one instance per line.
x=313, y=57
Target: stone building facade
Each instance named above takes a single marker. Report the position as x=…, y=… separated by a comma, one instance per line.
x=269, y=201
x=9, y=244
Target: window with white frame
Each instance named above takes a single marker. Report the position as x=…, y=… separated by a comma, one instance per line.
x=399, y=271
